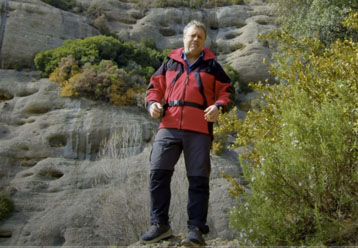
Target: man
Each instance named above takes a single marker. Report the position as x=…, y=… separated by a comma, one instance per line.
x=186, y=92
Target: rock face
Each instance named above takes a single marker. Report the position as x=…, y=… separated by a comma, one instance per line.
x=31, y=26
x=232, y=34
x=78, y=170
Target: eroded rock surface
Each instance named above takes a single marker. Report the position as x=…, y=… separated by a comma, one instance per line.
x=31, y=26
x=78, y=170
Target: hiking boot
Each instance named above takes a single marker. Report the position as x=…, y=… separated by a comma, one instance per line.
x=156, y=233
x=194, y=237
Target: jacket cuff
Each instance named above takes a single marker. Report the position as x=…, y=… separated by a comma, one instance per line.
x=150, y=104
x=218, y=105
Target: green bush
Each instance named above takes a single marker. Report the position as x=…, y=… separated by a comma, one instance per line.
x=187, y=3
x=102, y=82
x=316, y=18
x=102, y=68
x=302, y=145
x=240, y=86
x=6, y=207
x=220, y=140
x=94, y=10
x=320, y=19
x=99, y=19
x=62, y=4
x=94, y=49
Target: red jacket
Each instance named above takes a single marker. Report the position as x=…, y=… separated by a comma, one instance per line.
x=186, y=94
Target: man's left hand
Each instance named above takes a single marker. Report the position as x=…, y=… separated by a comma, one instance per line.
x=211, y=113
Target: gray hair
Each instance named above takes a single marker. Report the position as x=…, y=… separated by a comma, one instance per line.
x=195, y=23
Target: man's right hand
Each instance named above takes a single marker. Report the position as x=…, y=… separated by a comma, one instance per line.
x=156, y=110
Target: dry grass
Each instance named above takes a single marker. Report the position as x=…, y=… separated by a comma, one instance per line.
x=125, y=215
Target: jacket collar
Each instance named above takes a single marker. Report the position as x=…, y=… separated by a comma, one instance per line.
x=176, y=54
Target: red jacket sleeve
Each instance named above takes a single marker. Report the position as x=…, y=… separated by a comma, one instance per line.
x=156, y=87
x=224, y=90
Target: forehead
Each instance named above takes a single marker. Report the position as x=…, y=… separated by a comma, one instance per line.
x=195, y=30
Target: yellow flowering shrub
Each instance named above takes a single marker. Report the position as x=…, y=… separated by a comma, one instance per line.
x=104, y=82
x=302, y=164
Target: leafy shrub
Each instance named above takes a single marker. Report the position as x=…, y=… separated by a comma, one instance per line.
x=240, y=87
x=316, y=18
x=62, y=4
x=101, y=24
x=94, y=10
x=220, y=140
x=101, y=68
x=94, y=49
x=187, y=3
x=103, y=82
x=149, y=43
x=226, y=125
x=99, y=19
x=143, y=56
x=67, y=68
x=303, y=149
x=6, y=207
x=320, y=19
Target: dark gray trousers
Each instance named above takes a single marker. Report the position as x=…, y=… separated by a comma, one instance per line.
x=167, y=147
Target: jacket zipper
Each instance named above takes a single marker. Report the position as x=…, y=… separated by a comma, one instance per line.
x=172, y=86
x=182, y=108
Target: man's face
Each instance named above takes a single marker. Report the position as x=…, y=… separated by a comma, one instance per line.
x=194, y=40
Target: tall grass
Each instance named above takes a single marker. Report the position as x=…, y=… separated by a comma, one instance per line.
x=125, y=216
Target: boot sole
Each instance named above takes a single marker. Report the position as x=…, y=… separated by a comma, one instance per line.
x=165, y=235
x=189, y=243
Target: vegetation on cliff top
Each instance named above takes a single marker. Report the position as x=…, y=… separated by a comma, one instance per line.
x=302, y=141
x=73, y=6
x=106, y=69
x=316, y=18
x=101, y=68
x=6, y=207
x=68, y=5
x=185, y=3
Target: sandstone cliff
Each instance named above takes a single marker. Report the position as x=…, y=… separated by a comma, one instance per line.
x=77, y=170
x=70, y=186
x=30, y=26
